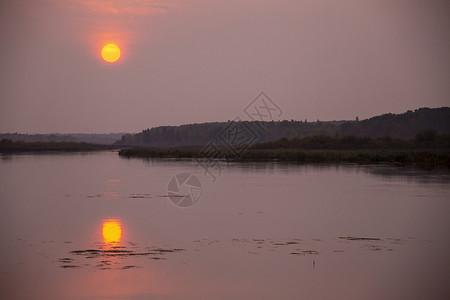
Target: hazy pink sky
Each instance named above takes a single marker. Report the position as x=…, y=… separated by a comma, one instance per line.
x=201, y=61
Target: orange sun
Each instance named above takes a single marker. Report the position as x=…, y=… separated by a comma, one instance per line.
x=111, y=53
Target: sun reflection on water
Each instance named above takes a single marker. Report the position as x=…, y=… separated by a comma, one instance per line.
x=112, y=231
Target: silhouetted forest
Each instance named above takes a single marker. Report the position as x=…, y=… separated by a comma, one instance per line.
x=428, y=149
x=394, y=126
x=428, y=139
x=92, y=138
x=404, y=126
x=8, y=146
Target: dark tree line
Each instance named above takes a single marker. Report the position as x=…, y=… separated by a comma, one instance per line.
x=394, y=126
x=428, y=139
x=8, y=146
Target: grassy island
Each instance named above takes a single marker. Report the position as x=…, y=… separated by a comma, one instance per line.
x=428, y=149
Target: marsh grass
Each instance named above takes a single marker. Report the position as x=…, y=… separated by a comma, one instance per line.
x=428, y=149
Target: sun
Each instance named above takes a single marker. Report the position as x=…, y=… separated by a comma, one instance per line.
x=111, y=53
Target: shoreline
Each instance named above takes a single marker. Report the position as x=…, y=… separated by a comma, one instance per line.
x=424, y=158
x=9, y=147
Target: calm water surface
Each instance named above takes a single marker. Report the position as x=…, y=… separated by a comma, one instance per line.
x=97, y=226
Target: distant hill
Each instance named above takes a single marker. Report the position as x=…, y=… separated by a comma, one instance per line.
x=202, y=134
x=102, y=139
x=403, y=126
x=8, y=146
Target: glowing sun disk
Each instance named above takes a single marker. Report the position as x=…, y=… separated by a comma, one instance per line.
x=110, y=52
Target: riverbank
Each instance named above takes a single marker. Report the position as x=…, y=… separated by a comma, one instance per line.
x=7, y=146
x=428, y=158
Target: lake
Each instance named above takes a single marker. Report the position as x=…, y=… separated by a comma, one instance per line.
x=97, y=226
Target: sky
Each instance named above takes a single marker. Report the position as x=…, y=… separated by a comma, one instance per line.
x=204, y=61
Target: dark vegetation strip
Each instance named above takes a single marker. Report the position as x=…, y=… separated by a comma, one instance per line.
x=404, y=126
x=428, y=139
x=8, y=146
x=429, y=158
x=428, y=149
